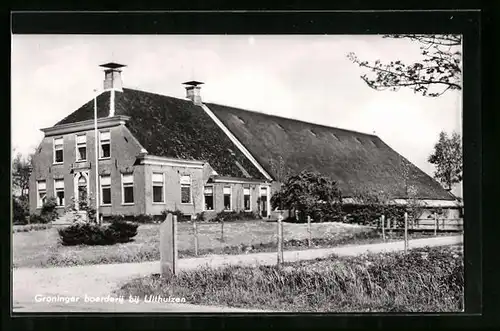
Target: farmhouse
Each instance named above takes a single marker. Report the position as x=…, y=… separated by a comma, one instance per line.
x=157, y=152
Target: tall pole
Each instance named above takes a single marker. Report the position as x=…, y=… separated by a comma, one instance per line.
x=96, y=141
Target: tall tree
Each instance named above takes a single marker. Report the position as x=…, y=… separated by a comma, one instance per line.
x=437, y=72
x=447, y=158
x=21, y=171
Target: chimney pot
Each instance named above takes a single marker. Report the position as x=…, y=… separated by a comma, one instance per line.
x=193, y=91
x=112, y=83
x=112, y=76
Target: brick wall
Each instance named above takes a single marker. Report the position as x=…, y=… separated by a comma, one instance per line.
x=124, y=149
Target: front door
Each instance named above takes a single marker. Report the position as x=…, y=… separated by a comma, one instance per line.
x=82, y=188
x=263, y=202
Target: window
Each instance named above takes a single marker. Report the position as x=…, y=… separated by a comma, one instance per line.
x=158, y=187
x=227, y=198
x=81, y=147
x=246, y=199
x=105, y=142
x=58, y=150
x=41, y=189
x=128, y=188
x=208, y=193
x=105, y=181
x=185, y=189
x=59, y=191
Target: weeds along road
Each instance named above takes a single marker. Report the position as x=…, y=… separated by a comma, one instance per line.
x=101, y=280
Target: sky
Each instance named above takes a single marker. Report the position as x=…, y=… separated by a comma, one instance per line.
x=305, y=77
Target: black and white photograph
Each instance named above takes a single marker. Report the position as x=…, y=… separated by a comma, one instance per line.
x=237, y=173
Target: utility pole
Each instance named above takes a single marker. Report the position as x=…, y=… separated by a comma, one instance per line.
x=96, y=142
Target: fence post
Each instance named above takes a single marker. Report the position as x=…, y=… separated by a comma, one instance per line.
x=406, y=232
x=222, y=230
x=435, y=224
x=382, y=219
x=280, y=240
x=309, y=231
x=195, y=229
x=168, y=246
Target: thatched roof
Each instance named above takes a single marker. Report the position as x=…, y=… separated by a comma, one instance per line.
x=359, y=162
x=172, y=127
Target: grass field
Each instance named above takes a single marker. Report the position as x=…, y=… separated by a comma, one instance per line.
x=42, y=248
x=424, y=280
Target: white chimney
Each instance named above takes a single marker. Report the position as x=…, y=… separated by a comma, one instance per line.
x=112, y=82
x=193, y=91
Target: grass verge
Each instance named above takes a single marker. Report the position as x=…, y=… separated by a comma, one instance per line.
x=43, y=248
x=424, y=280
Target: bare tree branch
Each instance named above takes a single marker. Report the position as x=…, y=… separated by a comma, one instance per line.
x=438, y=72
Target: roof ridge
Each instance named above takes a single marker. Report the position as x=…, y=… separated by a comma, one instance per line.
x=158, y=94
x=296, y=120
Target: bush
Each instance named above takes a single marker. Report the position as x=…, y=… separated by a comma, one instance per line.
x=92, y=234
x=31, y=227
x=20, y=210
x=176, y=212
x=123, y=230
x=233, y=216
x=45, y=216
x=139, y=218
x=369, y=214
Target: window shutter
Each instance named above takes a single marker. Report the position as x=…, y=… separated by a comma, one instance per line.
x=209, y=190
x=81, y=139
x=105, y=180
x=246, y=191
x=58, y=141
x=227, y=190
x=128, y=179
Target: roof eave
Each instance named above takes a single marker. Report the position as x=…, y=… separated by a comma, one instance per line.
x=102, y=122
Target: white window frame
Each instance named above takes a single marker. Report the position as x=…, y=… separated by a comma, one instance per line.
x=213, y=198
x=268, y=200
x=54, y=149
x=103, y=187
x=39, y=202
x=162, y=186
x=81, y=145
x=230, y=197
x=100, y=145
x=59, y=190
x=123, y=190
x=190, y=190
x=250, y=195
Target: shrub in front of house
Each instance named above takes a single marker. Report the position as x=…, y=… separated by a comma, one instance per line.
x=181, y=217
x=138, y=218
x=234, y=216
x=86, y=233
x=30, y=227
x=123, y=230
x=47, y=214
x=20, y=210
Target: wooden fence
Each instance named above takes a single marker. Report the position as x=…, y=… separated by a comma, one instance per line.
x=431, y=224
x=445, y=224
